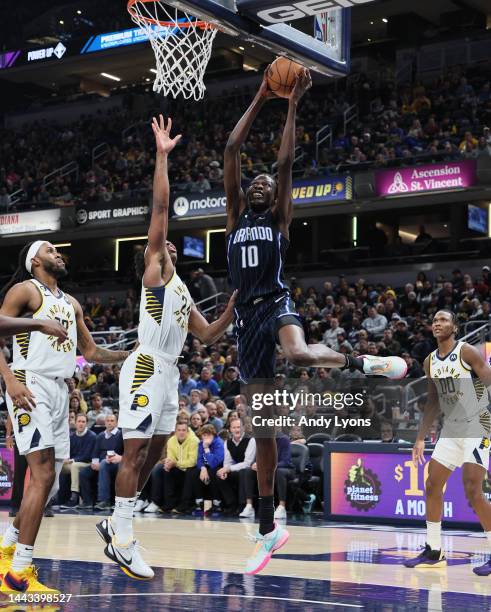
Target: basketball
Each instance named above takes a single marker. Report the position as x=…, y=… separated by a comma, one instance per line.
x=282, y=75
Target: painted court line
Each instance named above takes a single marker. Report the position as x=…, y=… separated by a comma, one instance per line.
x=306, y=601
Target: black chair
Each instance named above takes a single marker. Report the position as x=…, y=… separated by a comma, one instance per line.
x=300, y=458
x=316, y=454
x=348, y=438
x=319, y=438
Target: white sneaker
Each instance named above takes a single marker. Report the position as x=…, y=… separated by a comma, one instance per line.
x=141, y=504
x=151, y=509
x=247, y=512
x=129, y=560
x=280, y=512
x=391, y=367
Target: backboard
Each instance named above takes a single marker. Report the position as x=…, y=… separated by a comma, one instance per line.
x=318, y=39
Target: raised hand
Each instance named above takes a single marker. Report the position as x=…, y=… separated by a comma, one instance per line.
x=264, y=91
x=302, y=84
x=53, y=328
x=20, y=395
x=164, y=142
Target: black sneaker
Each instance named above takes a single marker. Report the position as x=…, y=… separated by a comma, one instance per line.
x=85, y=506
x=103, y=505
x=73, y=502
x=13, y=512
x=48, y=512
x=427, y=558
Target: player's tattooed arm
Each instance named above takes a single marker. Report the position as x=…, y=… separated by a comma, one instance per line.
x=283, y=209
x=86, y=344
x=231, y=170
x=209, y=333
x=157, y=260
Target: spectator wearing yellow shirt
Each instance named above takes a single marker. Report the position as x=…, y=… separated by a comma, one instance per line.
x=469, y=143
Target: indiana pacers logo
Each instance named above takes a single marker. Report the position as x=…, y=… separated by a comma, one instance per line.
x=362, y=487
x=140, y=401
x=23, y=420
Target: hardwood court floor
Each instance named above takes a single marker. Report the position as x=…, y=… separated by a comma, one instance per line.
x=199, y=564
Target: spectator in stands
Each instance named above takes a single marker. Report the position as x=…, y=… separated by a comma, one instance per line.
x=387, y=433
x=177, y=472
x=375, y=323
x=82, y=403
x=206, y=284
x=186, y=383
x=207, y=382
x=330, y=336
x=107, y=454
x=231, y=384
x=239, y=454
x=195, y=401
x=195, y=422
x=96, y=409
x=210, y=459
x=87, y=378
x=414, y=370
x=82, y=442
x=217, y=423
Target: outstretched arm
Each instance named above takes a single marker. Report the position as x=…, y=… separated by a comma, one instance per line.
x=283, y=209
x=9, y=326
x=233, y=190
x=209, y=333
x=156, y=264
x=86, y=344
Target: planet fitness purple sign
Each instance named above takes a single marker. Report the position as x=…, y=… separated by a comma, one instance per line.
x=430, y=177
x=389, y=486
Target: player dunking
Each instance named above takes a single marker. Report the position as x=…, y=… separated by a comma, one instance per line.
x=148, y=396
x=257, y=240
x=37, y=396
x=457, y=380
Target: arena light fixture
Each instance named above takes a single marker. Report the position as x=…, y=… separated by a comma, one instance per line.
x=385, y=20
x=110, y=76
x=79, y=12
x=116, y=248
x=208, y=232
x=61, y=22
x=62, y=244
x=153, y=70
x=354, y=230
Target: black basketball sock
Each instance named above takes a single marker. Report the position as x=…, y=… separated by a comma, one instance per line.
x=266, y=514
x=353, y=363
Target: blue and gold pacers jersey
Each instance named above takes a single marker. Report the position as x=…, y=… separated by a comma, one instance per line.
x=256, y=250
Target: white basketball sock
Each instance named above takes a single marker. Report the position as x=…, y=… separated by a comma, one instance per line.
x=22, y=557
x=122, y=519
x=11, y=536
x=434, y=535
x=488, y=536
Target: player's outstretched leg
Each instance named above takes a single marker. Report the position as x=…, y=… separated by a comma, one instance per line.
x=299, y=353
x=432, y=556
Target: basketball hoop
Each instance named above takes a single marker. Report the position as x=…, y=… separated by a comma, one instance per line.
x=182, y=47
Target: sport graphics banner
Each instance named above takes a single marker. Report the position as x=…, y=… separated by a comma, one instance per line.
x=119, y=212
x=429, y=177
x=307, y=191
x=389, y=486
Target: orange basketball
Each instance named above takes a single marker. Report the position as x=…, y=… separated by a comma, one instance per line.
x=281, y=76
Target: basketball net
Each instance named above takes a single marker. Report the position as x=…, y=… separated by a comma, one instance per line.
x=182, y=47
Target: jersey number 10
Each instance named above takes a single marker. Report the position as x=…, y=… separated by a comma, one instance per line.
x=250, y=256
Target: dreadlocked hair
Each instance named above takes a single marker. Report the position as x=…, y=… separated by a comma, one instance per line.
x=20, y=275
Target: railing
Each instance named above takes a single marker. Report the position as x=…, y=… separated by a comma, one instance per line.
x=99, y=151
x=350, y=115
x=418, y=388
x=325, y=133
x=134, y=128
x=16, y=196
x=212, y=302
x=299, y=155
x=66, y=170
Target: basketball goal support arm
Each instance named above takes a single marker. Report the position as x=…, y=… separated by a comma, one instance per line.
x=232, y=174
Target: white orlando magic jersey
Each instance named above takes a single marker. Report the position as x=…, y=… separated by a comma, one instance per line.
x=41, y=354
x=164, y=316
x=461, y=392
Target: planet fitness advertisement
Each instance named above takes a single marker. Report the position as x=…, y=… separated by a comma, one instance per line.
x=390, y=486
x=6, y=473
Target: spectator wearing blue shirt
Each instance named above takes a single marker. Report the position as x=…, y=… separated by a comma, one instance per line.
x=211, y=409
x=186, y=383
x=82, y=442
x=106, y=456
x=210, y=459
x=207, y=382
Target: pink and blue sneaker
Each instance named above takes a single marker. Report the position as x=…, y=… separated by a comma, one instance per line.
x=265, y=547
